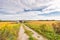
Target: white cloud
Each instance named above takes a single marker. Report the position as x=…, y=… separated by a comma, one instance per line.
x=14, y=6
x=18, y=17
x=28, y=16
x=19, y=5
x=55, y=6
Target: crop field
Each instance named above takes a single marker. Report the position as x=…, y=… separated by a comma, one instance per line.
x=9, y=30
x=49, y=29
x=30, y=30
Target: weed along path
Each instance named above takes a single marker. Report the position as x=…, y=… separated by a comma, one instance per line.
x=26, y=33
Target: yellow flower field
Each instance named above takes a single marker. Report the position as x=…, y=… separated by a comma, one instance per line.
x=9, y=30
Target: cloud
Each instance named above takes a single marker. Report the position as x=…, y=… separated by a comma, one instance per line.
x=29, y=9
x=20, y=5
x=55, y=6
x=22, y=16
x=30, y=16
x=56, y=13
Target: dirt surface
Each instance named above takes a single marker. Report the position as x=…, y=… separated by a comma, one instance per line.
x=23, y=36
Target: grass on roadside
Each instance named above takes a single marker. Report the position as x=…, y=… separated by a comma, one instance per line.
x=44, y=28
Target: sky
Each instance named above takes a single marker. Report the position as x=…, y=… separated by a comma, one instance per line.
x=29, y=9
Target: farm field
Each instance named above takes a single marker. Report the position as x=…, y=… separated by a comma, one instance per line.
x=30, y=30
x=9, y=30
x=49, y=29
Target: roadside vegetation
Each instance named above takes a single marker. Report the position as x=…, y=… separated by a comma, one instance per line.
x=9, y=30
x=30, y=34
x=49, y=29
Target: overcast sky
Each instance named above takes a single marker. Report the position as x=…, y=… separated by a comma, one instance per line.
x=29, y=9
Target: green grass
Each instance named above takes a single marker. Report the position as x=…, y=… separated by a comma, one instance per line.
x=29, y=33
x=45, y=30
x=32, y=38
